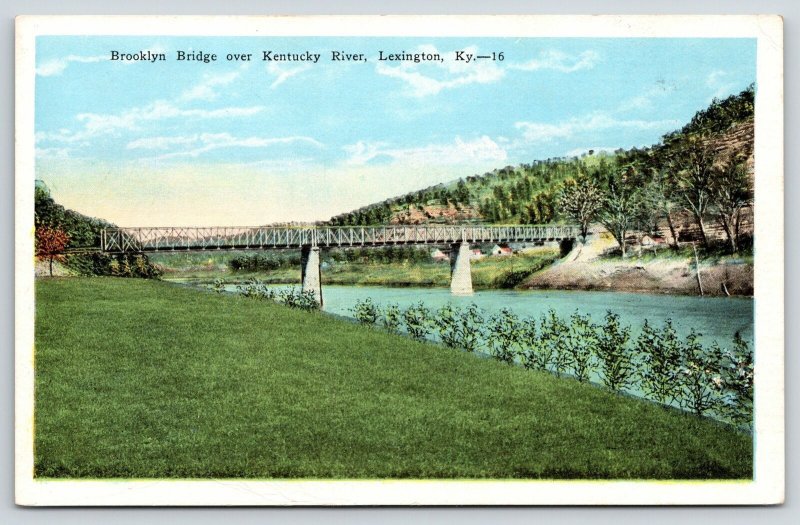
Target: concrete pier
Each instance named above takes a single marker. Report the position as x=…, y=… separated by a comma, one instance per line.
x=460, y=274
x=311, y=278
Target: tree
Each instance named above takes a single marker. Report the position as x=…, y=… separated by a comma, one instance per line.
x=732, y=192
x=620, y=207
x=693, y=163
x=50, y=244
x=580, y=200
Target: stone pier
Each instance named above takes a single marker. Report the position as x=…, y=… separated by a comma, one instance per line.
x=311, y=278
x=460, y=274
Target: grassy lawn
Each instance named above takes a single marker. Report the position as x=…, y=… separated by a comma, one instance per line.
x=145, y=379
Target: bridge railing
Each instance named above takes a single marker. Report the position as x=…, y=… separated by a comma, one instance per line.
x=243, y=238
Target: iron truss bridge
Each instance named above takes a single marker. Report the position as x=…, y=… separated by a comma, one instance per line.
x=119, y=240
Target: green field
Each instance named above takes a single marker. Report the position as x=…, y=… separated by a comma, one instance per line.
x=146, y=379
x=489, y=272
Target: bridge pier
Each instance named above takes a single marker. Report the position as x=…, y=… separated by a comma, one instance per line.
x=460, y=273
x=311, y=277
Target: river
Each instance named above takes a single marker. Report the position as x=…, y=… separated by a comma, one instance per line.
x=716, y=318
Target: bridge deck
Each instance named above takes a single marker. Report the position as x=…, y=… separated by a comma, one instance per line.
x=116, y=240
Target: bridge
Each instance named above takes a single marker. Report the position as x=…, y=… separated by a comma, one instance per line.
x=310, y=239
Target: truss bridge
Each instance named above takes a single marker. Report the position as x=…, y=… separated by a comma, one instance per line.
x=312, y=238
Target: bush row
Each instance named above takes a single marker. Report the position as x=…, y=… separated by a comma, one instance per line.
x=657, y=364
x=255, y=289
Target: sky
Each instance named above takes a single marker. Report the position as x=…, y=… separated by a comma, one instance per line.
x=235, y=142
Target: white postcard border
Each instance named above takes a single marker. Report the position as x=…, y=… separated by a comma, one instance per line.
x=768, y=484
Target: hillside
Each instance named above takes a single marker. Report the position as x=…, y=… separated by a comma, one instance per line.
x=530, y=193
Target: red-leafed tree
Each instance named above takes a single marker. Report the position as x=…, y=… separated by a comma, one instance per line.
x=50, y=244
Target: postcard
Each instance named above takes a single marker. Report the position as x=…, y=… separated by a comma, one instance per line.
x=399, y=260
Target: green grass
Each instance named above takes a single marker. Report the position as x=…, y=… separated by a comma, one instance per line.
x=145, y=379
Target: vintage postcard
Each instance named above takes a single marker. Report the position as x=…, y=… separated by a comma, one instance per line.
x=400, y=260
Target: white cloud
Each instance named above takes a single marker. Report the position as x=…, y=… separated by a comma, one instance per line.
x=720, y=83
x=440, y=76
x=205, y=142
x=559, y=61
x=648, y=98
x=282, y=73
x=458, y=152
x=52, y=153
x=205, y=89
x=57, y=66
x=130, y=120
x=544, y=132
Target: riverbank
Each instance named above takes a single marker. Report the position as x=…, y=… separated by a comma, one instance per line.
x=487, y=273
x=586, y=268
x=226, y=387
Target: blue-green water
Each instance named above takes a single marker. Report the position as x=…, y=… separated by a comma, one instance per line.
x=716, y=318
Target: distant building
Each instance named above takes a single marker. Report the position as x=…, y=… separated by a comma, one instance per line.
x=502, y=250
x=439, y=256
x=475, y=254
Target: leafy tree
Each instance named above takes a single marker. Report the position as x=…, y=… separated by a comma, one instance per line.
x=580, y=200
x=732, y=191
x=693, y=161
x=621, y=206
x=50, y=244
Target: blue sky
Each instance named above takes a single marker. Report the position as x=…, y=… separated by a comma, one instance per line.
x=241, y=143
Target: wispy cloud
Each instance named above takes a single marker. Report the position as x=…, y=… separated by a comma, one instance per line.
x=284, y=73
x=95, y=124
x=721, y=83
x=430, y=78
x=544, y=132
x=205, y=142
x=559, y=61
x=57, y=66
x=648, y=98
x=458, y=152
x=206, y=88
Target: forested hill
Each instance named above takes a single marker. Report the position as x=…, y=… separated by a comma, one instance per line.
x=532, y=193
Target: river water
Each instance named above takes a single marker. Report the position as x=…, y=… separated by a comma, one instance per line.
x=716, y=318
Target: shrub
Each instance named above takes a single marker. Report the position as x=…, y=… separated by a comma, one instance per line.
x=218, y=285
x=417, y=321
x=581, y=346
x=535, y=352
x=506, y=336
x=255, y=289
x=554, y=331
x=737, y=374
x=366, y=312
x=460, y=328
x=660, y=362
x=616, y=365
x=700, y=375
x=391, y=318
x=299, y=299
